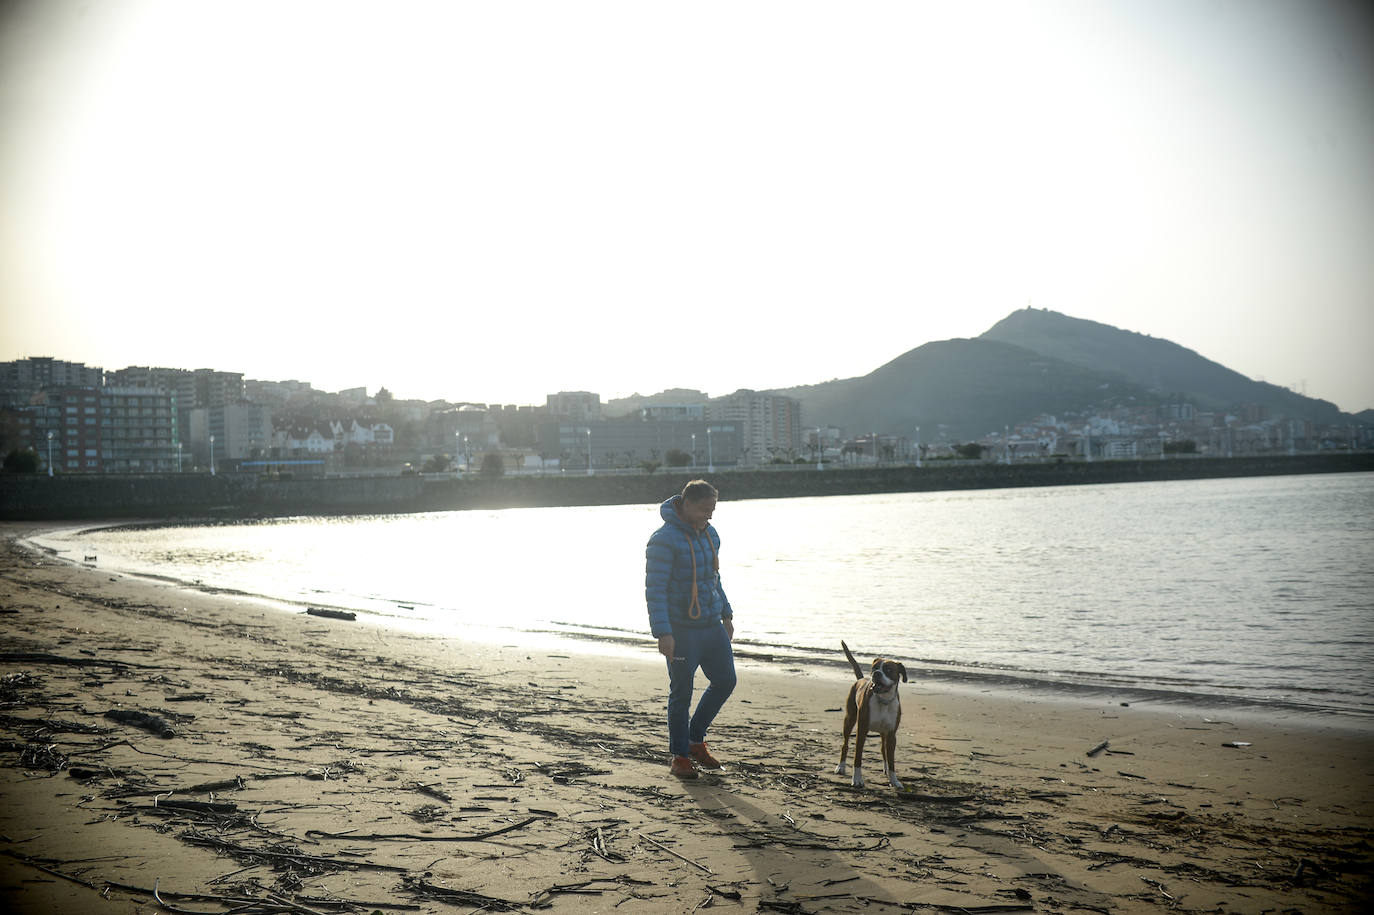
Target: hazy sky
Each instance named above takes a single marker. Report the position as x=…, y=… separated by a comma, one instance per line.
x=495, y=201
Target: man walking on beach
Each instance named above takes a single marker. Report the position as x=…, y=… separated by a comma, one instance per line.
x=690, y=616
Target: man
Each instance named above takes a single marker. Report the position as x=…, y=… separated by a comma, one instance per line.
x=692, y=620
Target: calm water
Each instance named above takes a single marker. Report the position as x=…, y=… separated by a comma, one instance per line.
x=1257, y=588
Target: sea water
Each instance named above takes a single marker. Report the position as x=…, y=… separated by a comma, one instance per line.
x=1257, y=589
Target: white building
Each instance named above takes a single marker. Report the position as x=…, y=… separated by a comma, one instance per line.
x=769, y=425
x=242, y=431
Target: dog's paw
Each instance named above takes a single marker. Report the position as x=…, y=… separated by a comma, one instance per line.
x=858, y=779
x=841, y=769
x=895, y=783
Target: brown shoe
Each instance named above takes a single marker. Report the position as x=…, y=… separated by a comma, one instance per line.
x=703, y=756
x=682, y=767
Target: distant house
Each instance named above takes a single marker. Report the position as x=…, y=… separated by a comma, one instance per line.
x=366, y=435
x=303, y=442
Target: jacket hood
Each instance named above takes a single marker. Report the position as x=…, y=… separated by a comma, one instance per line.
x=668, y=512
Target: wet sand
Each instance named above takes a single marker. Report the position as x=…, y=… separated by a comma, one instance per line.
x=271, y=761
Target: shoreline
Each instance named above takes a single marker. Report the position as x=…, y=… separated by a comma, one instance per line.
x=248, y=496
x=353, y=768
x=1023, y=682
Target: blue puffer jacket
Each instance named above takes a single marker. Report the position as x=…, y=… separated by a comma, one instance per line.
x=668, y=576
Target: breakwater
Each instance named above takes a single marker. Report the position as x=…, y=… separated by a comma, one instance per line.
x=29, y=497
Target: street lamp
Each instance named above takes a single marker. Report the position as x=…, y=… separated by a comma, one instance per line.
x=918, y=446
x=694, y=450
x=178, y=457
x=589, y=451
x=49, y=452
x=710, y=456
x=457, y=448
x=820, y=449
x=212, y=455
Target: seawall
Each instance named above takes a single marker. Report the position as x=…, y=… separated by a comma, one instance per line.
x=32, y=497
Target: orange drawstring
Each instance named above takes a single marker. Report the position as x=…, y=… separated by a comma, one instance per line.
x=694, y=608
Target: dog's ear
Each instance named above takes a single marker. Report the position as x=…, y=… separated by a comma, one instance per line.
x=877, y=663
x=902, y=668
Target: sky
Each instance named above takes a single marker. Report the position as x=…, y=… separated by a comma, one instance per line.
x=496, y=201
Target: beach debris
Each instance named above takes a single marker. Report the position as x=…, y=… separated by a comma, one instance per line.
x=1098, y=748
x=42, y=756
x=150, y=723
x=426, y=813
x=1305, y=865
x=411, y=837
x=332, y=614
x=781, y=905
x=248, y=853
x=661, y=847
x=432, y=792
x=597, y=839
x=1236, y=744
x=540, y=900
x=422, y=887
x=197, y=806
x=1158, y=886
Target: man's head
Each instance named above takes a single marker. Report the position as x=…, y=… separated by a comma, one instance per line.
x=697, y=503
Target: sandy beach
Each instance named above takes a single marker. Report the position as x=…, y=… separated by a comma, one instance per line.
x=234, y=756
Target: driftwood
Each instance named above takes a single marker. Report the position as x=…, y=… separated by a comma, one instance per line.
x=243, y=851
x=412, y=837
x=1099, y=748
x=198, y=806
x=332, y=614
x=661, y=847
x=421, y=887
x=432, y=792
x=245, y=903
x=150, y=723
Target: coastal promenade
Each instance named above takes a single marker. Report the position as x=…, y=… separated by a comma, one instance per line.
x=250, y=495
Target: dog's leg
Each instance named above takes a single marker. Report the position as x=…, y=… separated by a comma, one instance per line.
x=859, y=756
x=890, y=759
x=844, y=750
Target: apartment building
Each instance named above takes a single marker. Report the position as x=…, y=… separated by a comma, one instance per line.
x=65, y=428
x=21, y=379
x=770, y=425
x=179, y=384
x=137, y=430
x=575, y=406
x=241, y=431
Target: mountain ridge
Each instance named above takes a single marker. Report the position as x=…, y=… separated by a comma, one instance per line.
x=1032, y=362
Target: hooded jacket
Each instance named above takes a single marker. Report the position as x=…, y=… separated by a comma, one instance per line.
x=676, y=558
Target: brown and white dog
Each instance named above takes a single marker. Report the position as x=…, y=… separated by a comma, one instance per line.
x=875, y=707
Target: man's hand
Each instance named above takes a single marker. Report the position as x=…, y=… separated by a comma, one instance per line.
x=729, y=628
x=666, y=645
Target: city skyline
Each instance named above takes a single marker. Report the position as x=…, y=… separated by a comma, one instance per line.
x=492, y=205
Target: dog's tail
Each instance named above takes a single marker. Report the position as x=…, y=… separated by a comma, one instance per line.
x=858, y=671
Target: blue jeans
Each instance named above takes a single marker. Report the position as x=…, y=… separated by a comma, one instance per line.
x=710, y=650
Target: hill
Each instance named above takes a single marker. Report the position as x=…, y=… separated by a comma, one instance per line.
x=1160, y=366
x=961, y=388
x=1032, y=362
